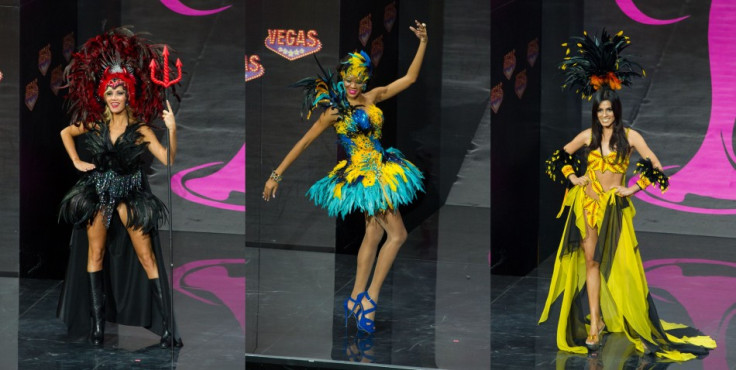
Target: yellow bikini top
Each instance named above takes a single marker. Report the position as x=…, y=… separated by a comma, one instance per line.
x=602, y=163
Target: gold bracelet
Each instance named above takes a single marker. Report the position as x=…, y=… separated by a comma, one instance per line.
x=643, y=183
x=275, y=177
x=567, y=170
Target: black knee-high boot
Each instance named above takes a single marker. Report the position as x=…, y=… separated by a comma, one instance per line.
x=97, y=308
x=167, y=338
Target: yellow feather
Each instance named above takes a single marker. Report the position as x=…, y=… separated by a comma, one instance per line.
x=338, y=190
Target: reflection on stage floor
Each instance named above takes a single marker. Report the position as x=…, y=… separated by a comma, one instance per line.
x=209, y=289
x=432, y=313
x=691, y=279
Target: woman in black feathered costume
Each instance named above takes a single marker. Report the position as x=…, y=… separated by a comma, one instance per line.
x=112, y=206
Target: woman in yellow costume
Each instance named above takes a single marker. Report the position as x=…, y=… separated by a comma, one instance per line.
x=598, y=258
x=373, y=180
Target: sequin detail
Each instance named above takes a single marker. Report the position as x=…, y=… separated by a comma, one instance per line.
x=112, y=187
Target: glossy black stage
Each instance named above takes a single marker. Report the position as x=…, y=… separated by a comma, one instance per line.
x=209, y=299
x=432, y=313
x=296, y=318
x=690, y=278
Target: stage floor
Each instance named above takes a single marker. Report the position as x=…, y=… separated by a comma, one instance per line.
x=691, y=279
x=209, y=299
x=433, y=312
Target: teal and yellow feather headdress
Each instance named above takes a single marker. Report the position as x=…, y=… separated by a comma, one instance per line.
x=358, y=65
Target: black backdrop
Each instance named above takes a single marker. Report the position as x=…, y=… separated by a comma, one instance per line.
x=43, y=178
x=514, y=137
x=526, y=130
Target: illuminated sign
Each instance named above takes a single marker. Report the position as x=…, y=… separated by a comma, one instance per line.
x=253, y=67
x=293, y=44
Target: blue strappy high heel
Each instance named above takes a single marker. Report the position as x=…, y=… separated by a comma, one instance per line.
x=355, y=311
x=365, y=324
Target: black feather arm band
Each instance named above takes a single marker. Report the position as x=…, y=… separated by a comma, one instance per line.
x=557, y=169
x=650, y=175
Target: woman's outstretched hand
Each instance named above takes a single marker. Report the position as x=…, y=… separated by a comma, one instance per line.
x=269, y=191
x=420, y=30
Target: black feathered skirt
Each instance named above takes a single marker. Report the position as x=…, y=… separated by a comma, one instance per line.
x=103, y=191
x=128, y=295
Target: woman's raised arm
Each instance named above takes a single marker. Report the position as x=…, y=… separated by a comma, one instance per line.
x=390, y=90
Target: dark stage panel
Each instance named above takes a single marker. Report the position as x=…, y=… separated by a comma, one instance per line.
x=433, y=312
x=9, y=321
x=688, y=286
x=209, y=303
x=9, y=134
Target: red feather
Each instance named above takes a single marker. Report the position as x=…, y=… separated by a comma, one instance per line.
x=86, y=72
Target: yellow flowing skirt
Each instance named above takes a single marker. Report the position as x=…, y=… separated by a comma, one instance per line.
x=626, y=304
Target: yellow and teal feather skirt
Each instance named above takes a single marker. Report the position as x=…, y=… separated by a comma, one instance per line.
x=370, y=182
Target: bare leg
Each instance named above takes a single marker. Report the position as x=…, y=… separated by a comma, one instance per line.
x=141, y=244
x=366, y=256
x=592, y=278
x=96, y=235
x=394, y=226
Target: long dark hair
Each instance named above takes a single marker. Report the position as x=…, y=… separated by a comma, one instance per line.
x=618, y=142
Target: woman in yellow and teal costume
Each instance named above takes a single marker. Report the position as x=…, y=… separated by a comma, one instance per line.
x=598, y=260
x=372, y=180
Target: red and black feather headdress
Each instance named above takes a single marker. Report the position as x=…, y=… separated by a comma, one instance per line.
x=117, y=57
